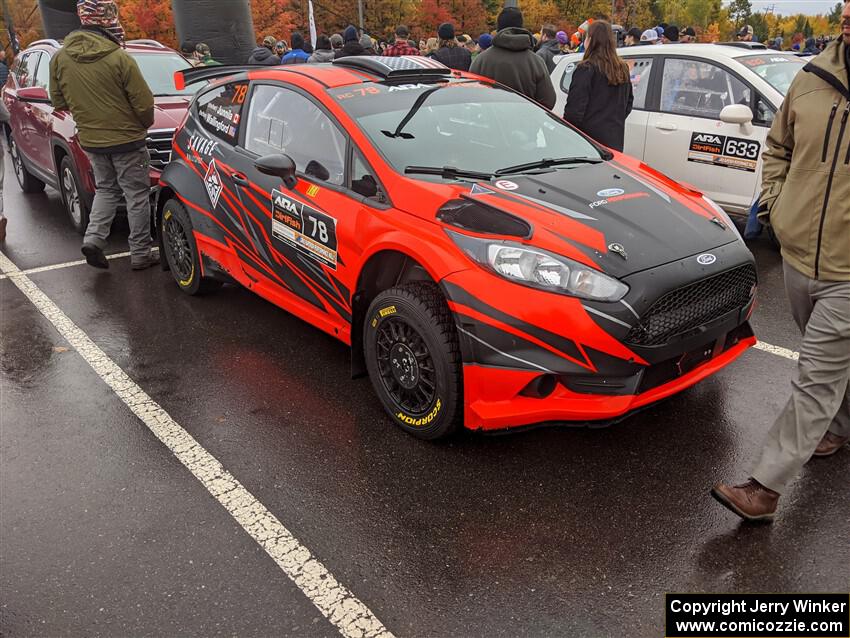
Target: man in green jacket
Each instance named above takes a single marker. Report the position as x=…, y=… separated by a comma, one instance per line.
x=806, y=200
x=113, y=107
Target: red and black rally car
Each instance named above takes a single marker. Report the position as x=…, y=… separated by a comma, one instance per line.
x=488, y=264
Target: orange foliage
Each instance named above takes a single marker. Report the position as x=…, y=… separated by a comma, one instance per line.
x=150, y=19
x=275, y=18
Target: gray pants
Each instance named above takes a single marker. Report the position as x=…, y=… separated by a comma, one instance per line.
x=121, y=176
x=820, y=396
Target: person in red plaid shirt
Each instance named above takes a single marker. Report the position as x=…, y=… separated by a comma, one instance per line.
x=401, y=45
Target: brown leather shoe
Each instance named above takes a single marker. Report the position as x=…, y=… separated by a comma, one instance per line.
x=751, y=500
x=830, y=444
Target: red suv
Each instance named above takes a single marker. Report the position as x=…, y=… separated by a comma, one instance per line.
x=43, y=141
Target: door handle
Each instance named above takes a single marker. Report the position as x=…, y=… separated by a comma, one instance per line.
x=240, y=179
x=666, y=126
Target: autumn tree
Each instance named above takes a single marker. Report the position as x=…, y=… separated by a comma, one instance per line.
x=470, y=15
x=430, y=15
x=740, y=11
x=151, y=19
x=277, y=18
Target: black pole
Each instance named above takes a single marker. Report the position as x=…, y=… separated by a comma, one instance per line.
x=13, y=38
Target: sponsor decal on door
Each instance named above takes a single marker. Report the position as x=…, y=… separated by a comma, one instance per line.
x=722, y=150
x=304, y=228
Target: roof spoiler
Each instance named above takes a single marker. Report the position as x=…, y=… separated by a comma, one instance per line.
x=184, y=78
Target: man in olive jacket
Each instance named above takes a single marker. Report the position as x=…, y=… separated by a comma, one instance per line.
x=806, y=200
x=511, y=60
x=113, y=107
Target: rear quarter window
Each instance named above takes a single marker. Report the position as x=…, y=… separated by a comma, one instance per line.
x=220, y=110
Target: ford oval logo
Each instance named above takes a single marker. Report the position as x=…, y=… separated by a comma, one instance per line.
x=610, y=192
x=706, y=259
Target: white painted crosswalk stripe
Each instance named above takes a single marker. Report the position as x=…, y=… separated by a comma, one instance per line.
x=351, y=617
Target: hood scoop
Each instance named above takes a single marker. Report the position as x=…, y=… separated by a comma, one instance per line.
x=476, y=216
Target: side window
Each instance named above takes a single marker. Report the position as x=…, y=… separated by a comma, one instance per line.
x=699, y=89
x=764, y=112
x=283, y=121
x=569, y=68
x=42, y=75
x=640, y=70
x=27, y=68
x=220, y=110
x=363, y=180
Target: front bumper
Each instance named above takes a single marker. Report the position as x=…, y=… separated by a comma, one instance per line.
x=532, y=356
x=496, y=397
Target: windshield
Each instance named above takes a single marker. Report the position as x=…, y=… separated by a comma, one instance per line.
x=465, y=125
x=776, y=69
x=158, y=70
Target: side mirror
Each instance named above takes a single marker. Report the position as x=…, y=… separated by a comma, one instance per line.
x=736, y=114
x=34, y=94
x=280, y=166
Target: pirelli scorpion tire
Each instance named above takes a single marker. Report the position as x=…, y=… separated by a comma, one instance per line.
x=181, y=251
x=413, y=358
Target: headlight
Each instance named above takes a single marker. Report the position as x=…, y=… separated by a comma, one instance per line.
x=722, y=214
x=539, y=269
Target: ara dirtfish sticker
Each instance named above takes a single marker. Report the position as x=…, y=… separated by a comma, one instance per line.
x=721, y=150
x=212, y=182
x=304, y=228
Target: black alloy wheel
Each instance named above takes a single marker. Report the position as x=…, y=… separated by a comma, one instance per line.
x=181, y=251
x=406, y=366
x=413, y=357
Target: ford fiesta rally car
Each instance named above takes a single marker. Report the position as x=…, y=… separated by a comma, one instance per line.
x=488, y=264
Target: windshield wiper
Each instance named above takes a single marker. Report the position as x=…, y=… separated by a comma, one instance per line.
x=413, y=111
x=446, y=172
x=548, y=163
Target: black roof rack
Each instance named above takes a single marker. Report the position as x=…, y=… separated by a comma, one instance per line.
x=396, y=68
x=758, y=46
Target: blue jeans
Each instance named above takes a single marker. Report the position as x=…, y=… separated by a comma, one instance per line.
x=753, y=228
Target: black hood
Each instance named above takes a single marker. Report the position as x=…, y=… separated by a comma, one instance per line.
x=651, y=226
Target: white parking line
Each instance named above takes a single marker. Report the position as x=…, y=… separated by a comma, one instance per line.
x=778, y=350
x=351, y=617
x=68, y=264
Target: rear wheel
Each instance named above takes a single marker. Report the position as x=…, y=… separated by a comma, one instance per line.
x=181, y=250
x=29, y=182
x=72, y=195
x=413, y=358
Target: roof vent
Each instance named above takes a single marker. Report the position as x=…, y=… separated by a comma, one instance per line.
x=394, y=68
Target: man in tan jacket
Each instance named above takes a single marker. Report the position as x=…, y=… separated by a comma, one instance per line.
x=806, y=199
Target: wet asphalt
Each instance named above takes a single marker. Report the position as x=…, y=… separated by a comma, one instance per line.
x=559, y=531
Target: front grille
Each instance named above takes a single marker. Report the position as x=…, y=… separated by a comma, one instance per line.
x=694, y=305
x=159, y=147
